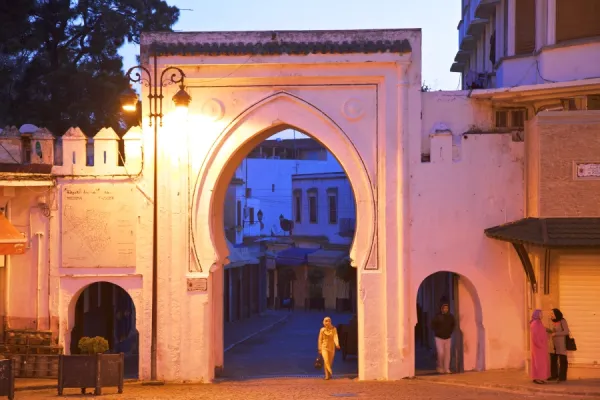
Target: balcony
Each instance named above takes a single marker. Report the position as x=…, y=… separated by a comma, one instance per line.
x=485, y=8
x=477, y=26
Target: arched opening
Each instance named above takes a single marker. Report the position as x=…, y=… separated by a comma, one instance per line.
x=289, y=218
x=467, y=343
x=107, y=310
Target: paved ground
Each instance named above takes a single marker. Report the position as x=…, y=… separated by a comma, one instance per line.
x=582, y=382
x=282, y=389
x=288, y=349
x=234, y=332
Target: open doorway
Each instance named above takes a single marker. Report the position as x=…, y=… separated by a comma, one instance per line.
x=468, y=338
x=107, y=310
x=289, y=221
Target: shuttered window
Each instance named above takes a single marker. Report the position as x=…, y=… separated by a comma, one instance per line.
x=525, y=27
x=577, y=19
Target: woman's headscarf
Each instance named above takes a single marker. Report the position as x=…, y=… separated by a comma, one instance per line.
x=325, y=320
x=537, y=315
x=558, y=315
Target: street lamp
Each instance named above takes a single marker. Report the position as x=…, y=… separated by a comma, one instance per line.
x=129, y=101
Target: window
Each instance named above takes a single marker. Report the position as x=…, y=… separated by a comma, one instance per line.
x=577, y=19
x=248, y=192
x=273, y=188
x=26, y=141
x=312, y=206
x=524, y=27
x=298, y=205
x=251, y=213
x=332, y=203
x=239, y=213
x=511, y=119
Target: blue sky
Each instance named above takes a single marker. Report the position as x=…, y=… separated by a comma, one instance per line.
x=437, y=19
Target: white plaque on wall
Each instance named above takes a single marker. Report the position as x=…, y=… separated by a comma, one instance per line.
x=588, y=170
x=98, y=225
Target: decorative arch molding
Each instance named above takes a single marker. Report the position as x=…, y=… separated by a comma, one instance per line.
x=248, y=129
x=72, y=287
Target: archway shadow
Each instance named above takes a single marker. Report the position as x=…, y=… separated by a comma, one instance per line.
x=107, y=310
x=468, y=338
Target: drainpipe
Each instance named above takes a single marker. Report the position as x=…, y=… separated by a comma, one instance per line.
x=38, y=280
x=49, y=272
x=7, y=213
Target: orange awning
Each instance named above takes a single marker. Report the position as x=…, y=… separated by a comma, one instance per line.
x=11, y=240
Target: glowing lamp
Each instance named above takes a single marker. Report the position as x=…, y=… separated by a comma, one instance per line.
x=182, y=101
x=129, y=100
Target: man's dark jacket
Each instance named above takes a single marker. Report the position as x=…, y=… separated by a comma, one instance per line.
x=443, y=325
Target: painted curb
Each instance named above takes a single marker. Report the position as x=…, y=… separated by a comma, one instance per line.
x=231, y=346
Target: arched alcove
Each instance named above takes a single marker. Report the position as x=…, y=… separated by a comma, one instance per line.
x=106, y=309
x=468, y=340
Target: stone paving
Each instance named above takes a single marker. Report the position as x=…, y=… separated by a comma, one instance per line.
x=234, y=332
x=292, y=389
x=288, y=349
x=581, y=382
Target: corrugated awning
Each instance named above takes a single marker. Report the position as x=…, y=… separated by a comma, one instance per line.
x=12, y=241
x=293, y=257
x=550, y=232
x=326, y=258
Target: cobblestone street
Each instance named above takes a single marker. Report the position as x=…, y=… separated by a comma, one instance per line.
x=288, y=349
x=279, y=389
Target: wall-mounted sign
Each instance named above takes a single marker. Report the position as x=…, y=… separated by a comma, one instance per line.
x=197, y=284
x=588, y=170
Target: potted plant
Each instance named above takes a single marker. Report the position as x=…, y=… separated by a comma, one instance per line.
x=91, y=368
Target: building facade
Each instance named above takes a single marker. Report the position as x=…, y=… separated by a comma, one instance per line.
x=508, y=43
x=430, y=173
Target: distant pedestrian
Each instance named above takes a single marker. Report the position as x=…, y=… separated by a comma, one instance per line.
x=327, y=344
x=540, y=362
x=443, y=327
x=558, y=360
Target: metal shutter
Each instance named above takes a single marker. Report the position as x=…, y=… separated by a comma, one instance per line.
x=577, y=19
x=579, y=300
x=524, y=27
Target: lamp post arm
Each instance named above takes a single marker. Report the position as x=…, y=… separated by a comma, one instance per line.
x=177, y=76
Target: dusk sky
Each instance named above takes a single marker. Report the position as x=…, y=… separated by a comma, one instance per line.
x=437, y=19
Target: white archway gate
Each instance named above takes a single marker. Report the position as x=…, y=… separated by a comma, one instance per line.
x=349, y=90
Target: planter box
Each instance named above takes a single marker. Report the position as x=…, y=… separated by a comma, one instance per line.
x=7, y=379
x=91, y=371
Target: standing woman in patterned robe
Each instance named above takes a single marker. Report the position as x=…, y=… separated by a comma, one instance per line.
x=328, y=342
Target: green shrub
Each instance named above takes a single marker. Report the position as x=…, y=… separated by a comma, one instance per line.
x=95, y=345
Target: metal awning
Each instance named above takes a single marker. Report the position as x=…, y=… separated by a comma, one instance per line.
x=326, y=258
x=550, y=232
x=238, y=257
x=293, y=257
x=547, y=233
x=12, y=242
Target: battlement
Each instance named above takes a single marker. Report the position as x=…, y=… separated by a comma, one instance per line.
x=74, y=153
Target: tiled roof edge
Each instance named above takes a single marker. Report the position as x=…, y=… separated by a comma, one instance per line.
x=279, y=47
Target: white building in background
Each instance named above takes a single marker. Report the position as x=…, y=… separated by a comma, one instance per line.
x=262, y=185
x=323, y=205
x=508, y=43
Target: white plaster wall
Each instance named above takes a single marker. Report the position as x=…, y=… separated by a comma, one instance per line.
x=199, y=313
x=23, y=274
x=345, y=201
x=452, y=202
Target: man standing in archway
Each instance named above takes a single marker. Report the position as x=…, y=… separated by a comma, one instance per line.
x=443, y=326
